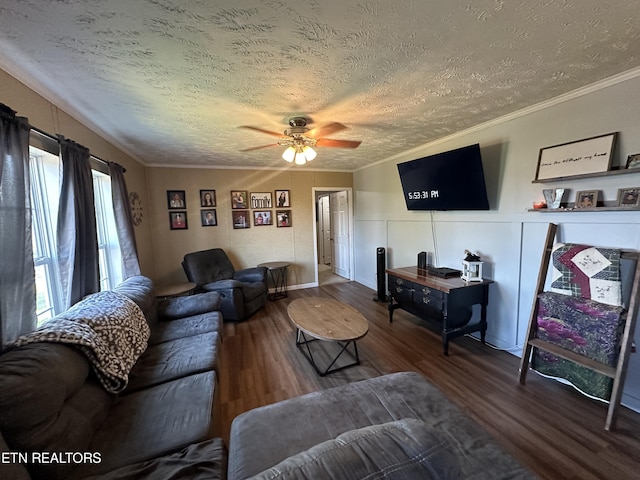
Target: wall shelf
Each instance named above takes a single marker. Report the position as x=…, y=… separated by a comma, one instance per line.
x=606, y=206
x=621, y=171
x=570, y=209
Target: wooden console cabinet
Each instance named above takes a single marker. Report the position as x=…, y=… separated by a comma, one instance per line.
x=446, y=302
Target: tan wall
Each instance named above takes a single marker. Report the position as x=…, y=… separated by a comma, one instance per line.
x=45, y=116
x=246, y=247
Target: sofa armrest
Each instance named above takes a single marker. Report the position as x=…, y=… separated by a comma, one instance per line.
x=187, y=306
x=254, y=274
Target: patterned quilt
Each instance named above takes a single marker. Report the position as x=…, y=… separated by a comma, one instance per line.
x=582, y=326
x=109, y=328
x=588, y=272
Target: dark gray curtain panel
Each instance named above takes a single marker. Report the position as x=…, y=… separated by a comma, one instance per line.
x=124, y=221
x=77, y=230
x=17, y=275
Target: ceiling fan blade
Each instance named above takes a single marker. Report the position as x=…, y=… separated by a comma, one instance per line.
x=328, y=129
x=262, y=130
x=328, y=142
x=261, y=146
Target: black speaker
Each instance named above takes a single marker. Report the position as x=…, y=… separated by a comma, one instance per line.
x=422, y=260
x=381, y=266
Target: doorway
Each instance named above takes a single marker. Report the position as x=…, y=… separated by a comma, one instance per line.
x=333, y=227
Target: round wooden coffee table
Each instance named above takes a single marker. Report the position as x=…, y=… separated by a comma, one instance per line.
x=317, y=318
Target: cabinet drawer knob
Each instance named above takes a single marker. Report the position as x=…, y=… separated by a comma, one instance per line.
x=399, y=289
x=426, y=299
x=426, y=291
x=399, y=281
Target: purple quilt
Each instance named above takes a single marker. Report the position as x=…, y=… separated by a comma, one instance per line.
x=582, y=326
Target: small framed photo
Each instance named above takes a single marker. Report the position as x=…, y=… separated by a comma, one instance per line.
x=261, y=200
x=240, y=219
x=176, y=199
x=207, y=198
x=629, y=197
x=262, y=217
x=633, y=161
x=208, y=218
x=283, y=218
x=178, y=220
x=282, y=198
x=239, y=199
x=587, y=199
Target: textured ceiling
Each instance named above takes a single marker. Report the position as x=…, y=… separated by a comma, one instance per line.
x=170, y=81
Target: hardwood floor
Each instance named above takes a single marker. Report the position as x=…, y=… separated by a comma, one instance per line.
x=551, y=428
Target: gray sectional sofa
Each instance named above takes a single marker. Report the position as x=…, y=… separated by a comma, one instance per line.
x=57, y=421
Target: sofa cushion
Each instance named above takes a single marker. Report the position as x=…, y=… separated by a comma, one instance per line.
x=154, y=422
x=201, y=461
x=404, y=449
x=12, y=465
x=176, y=359
x=49, y=402
x=167, y=330
x=187, y=306
x=140, y=289
x=305, y=421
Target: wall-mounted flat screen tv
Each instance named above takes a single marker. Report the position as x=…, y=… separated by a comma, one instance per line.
x=452, y=180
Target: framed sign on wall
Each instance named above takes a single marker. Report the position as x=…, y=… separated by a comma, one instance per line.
x=591, y=155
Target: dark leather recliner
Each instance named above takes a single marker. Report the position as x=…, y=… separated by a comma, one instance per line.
x=242, y=292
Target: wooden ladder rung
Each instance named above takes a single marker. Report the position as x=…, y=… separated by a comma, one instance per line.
x=574, y=357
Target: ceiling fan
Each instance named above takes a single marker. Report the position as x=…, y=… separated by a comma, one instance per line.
x=300, y=139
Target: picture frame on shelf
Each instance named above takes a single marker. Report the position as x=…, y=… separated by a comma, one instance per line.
x=239, y=199
x=261, y=200
x=262, y=217
x=587, y=199
x=178, y=221
x=590, y=155
x=633, y=161
x=207, y=198
x=208, y=218
x=283, y=218
x=629, y=197
x=240, y=219
x=282, y=198
x=553, y=197
x=176, y=199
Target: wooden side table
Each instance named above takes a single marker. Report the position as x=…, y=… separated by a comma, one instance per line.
x=278, y=273
x=176, y=290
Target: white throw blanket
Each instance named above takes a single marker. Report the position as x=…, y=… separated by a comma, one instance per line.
x=109, y=328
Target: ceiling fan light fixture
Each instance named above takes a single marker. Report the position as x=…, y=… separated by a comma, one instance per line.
x=309, y=153
x=289, y=154
x=300, y=158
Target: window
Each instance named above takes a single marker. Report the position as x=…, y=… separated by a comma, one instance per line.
x=108, y=245
x=45, y=193
x=46, y=178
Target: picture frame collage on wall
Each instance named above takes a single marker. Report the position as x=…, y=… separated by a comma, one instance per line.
x=208, y=216
x=177, y=206
x=258, y=206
